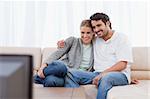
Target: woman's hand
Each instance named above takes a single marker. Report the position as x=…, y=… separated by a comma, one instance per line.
x=40, y=71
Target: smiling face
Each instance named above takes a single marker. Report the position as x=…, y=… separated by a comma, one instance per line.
x=100, y=28
x=86, y=34
x=101, y=25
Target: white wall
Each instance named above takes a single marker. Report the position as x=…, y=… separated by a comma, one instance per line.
x=43, y=23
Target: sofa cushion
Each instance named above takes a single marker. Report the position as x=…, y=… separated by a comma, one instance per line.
x=134, y=91
x=38, y=85
x=90, y=91
x=35, y=52
x=138, y=91
x=140, y=58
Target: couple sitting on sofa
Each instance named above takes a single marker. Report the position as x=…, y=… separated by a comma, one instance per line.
x=103, y=60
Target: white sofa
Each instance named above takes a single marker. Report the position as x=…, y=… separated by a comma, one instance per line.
x=140, y=70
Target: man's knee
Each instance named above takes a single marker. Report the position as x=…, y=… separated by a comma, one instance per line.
x=109, y=78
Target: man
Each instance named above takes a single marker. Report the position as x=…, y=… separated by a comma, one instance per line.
x=112, y=56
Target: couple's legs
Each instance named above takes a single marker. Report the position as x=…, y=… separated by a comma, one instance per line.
x=75, y=78
x=49, y=81
x=108, y=81
x=54, y=75
x=56, y=68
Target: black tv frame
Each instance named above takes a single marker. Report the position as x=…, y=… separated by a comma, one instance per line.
x=30, y=57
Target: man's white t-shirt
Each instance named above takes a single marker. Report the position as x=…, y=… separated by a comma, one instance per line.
x=107, y=53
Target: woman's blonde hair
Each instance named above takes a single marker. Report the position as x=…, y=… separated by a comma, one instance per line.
x=86, y=23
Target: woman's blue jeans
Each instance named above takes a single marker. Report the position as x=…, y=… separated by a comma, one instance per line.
x=54, y=75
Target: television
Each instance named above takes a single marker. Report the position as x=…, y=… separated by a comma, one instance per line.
x=16, y=76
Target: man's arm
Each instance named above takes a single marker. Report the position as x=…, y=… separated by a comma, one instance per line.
x=119, y=66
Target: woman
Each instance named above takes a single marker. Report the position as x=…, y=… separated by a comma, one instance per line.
x=78, y=56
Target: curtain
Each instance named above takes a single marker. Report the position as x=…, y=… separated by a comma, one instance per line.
x=43, y=23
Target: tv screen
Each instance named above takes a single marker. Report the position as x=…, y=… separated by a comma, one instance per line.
x=16, y=76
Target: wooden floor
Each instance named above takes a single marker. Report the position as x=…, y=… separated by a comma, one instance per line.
x=58, y=93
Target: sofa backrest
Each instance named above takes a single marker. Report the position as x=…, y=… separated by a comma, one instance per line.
x=35, y=52
x=47, y=51
x=141, y=66
x=140, y=69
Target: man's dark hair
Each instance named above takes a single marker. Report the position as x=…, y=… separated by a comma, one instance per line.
x=101, y=16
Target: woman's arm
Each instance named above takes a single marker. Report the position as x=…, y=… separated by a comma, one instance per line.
x=60, y=51
x=56, y=55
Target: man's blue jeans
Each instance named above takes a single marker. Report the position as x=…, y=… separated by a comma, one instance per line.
x=75, y=78
x=108, y=81
x=54, y=75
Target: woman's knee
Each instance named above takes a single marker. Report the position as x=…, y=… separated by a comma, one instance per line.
x=53, y=81
x=60, y=64
x=61, y=68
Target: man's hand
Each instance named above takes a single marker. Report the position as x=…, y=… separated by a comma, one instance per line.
x=97, y=78
x=40, y=71
x=61, y=44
